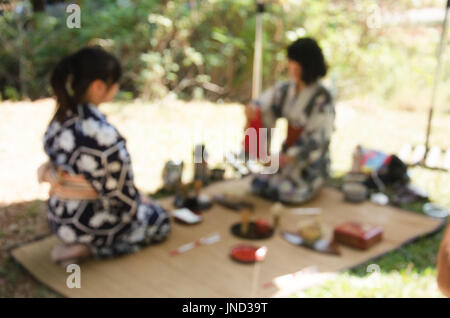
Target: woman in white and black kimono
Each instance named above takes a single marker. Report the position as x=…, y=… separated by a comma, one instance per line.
x=94, y=206
x=309, y=110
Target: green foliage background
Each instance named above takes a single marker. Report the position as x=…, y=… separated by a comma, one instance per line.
x=204, y=48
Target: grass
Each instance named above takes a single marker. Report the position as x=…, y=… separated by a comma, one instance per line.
x=33, y=209
x=398, y=284
x=156, y=133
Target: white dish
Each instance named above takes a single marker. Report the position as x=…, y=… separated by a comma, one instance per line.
x=435, y=211
x=187, y=216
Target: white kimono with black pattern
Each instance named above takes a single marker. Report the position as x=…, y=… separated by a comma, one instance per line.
x=312, y=109
x=117, y=222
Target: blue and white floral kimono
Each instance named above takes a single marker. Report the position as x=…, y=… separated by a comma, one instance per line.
x=310, y=113
x=117, y=222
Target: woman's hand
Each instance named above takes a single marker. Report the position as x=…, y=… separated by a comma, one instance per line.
x=43, y=172
x=251, y=111
x=146, y=199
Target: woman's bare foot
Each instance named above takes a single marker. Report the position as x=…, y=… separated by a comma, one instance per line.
x=69, y=254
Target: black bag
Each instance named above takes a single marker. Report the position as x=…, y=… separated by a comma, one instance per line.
x=393, y=174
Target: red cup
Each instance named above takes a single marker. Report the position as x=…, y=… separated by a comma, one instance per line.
x=256, y=124
x=262, y=227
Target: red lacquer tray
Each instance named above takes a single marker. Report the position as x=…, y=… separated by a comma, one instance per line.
x=244, y=253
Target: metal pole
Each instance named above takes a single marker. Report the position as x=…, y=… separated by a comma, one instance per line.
x=257, y=57
x=436, y=78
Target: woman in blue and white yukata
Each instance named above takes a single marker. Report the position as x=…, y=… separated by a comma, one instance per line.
x=94, y=206
x=309, y=110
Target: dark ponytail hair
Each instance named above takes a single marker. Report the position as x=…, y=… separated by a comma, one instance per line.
x=74, y=73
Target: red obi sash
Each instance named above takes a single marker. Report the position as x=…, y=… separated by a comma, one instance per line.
x=293, y=133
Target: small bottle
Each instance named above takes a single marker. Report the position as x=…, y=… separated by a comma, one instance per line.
x=201, y=170
x=197, y=187
x=245, y=221
x=276, y=219
x=276, y=211
x=357, y=156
